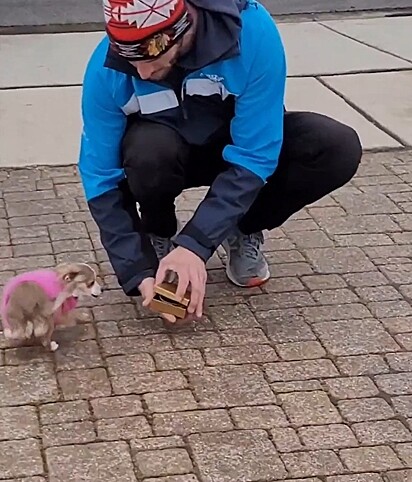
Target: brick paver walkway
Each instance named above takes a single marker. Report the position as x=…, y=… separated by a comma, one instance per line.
x=309, y=377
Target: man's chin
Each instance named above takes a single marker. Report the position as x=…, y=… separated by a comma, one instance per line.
x=161, y=75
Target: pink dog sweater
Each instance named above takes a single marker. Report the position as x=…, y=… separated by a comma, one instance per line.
x=46, y=279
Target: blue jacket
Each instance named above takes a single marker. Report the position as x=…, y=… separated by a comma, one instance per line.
x=239, y=56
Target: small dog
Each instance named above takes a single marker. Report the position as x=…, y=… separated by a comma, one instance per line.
x=34, y=303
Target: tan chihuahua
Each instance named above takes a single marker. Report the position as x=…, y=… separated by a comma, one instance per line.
x=34, y=303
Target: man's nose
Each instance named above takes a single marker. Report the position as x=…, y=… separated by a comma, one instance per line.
x=145, y=71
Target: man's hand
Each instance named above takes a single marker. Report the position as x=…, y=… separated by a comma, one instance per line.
x=191, y=270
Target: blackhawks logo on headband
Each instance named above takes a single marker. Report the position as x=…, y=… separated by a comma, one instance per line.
x=158, y=44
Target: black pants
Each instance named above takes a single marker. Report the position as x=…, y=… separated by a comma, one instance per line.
x=318, y=156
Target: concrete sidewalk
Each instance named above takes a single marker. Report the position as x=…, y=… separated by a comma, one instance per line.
x=359, y=71
x=307, y=379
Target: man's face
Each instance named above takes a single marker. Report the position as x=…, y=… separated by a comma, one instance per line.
x=159, y=68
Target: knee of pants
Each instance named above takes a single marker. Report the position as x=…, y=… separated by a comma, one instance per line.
x=344, y=152
x=152, y=160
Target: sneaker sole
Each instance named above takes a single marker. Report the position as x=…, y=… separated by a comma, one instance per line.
x=253, y=282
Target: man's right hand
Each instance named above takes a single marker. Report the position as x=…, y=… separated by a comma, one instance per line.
x=146, y=289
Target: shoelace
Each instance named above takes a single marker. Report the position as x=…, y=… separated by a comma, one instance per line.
x=248, y=245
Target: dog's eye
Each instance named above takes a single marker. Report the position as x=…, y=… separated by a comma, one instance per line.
x=90, y=284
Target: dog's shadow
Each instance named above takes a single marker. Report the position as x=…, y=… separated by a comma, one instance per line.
x=30, y=351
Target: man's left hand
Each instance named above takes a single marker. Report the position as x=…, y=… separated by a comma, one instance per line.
x=191, y=270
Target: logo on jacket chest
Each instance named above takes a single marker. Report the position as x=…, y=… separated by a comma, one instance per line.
x=213, y=77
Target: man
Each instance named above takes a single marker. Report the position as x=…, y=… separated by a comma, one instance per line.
x=187, y=93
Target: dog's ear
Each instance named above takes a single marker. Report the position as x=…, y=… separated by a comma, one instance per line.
x=67, y=271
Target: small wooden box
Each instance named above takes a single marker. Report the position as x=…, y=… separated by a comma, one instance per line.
x=165, y=301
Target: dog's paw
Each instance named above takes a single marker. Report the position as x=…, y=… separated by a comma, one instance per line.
x=54, y=346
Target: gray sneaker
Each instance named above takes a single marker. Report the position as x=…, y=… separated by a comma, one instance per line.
x=162, y=247
x=246, y=266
